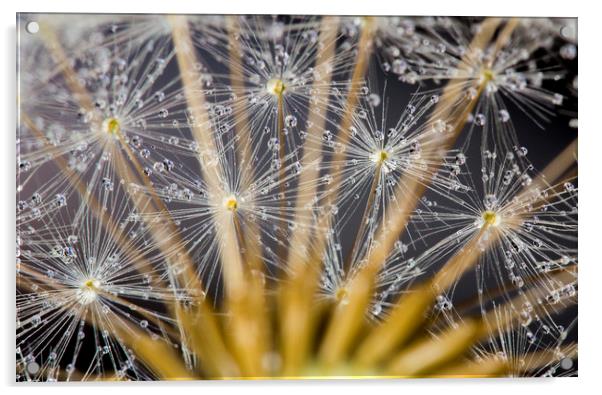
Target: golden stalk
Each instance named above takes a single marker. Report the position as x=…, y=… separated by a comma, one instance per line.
x=245, y=335
x=167, y=237
x=334, y=346
x=201, y=131
x=296, y=312
x=243, y=133
x=344, y=327
x=425, y=356
x=206, y=339
x=356, y=298
x=311, y=156
x=255, y=301
x=364, y=50
x=168, y=367
x=253, y=332
x=355, y=294
x=298, y=318
x=247, y=332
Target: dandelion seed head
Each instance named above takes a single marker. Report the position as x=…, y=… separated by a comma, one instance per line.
x=275, y=86
x=487, y=75
x=231, y=203
x=88, y=291
x=111, y=126
x=491, y=218
x=341, y=295
x=380, y=156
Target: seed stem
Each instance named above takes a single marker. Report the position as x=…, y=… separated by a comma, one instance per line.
x=243, y=132
x=367, y=211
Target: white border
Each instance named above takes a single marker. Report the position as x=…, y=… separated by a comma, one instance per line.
x=590, y=64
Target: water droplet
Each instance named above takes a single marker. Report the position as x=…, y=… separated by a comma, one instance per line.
x=399, y=66
x=568, y=51
x=480, y=119
x=60, y=200
x=159, y=167
x=107, y=184
x=439, y=126
x=460, y=159
x=504, y=116
x=33, y=367
x=25, y=165
x=566, y=363
x=374, y=100
x=290, y=121
x=490, y=201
